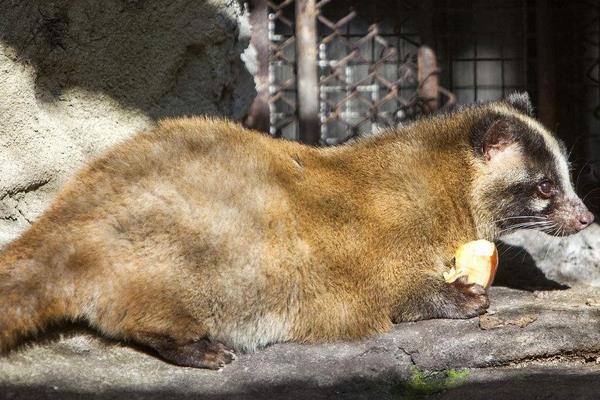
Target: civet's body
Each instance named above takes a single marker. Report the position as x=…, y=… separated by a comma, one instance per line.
x=201, y=236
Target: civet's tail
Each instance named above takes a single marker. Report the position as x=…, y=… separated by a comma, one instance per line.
x=31, y=293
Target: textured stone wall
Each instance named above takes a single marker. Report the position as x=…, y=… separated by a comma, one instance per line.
x=78, y=76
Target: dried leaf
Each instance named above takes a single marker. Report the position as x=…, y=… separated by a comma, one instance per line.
x=523, y=321
x=487, y=322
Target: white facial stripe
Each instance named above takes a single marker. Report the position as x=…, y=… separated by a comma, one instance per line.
x=506, y=164
x=552, y=144
x=539, y=204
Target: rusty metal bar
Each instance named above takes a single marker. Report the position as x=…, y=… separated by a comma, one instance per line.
x=258, y=115
x=427, y=75
x=306, y=73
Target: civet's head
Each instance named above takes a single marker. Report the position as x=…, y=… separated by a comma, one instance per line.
x=524, y=179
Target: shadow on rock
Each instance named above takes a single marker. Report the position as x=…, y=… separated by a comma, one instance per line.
x=565, y=384
x=166, y=58
x=518, y=270
x=357, y=388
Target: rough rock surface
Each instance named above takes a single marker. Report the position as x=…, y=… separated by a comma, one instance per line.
x=567, y=260
x=76, y=77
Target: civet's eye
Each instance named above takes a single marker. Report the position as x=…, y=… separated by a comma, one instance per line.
x=546, y=188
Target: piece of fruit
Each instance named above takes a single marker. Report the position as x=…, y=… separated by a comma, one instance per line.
x=477, y=261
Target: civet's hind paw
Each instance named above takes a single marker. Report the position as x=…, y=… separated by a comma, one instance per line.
x=199, y=354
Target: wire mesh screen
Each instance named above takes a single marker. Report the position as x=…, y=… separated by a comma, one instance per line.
x=483, y=47
x=367, y=72
x=282, y=80
x=365, y=82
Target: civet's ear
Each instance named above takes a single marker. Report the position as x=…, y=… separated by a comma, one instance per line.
x=521, y=101
x=493, y=137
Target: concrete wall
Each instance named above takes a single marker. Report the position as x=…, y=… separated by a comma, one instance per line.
x=76, y=77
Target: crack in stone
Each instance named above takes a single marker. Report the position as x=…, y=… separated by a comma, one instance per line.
x=11, y=193
x=410, y=356
x=23, y=215
x=374, y=349
x=29, y=188
x=585, y=356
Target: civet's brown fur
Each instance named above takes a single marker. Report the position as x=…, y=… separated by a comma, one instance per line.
x=203, y=229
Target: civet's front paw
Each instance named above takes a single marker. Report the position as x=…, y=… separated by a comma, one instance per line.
x=464, y=300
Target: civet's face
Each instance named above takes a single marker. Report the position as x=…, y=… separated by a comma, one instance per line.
x=528, y=184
